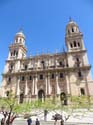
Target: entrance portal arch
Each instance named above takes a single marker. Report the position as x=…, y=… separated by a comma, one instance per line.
x=63, y=98
x=41, y=95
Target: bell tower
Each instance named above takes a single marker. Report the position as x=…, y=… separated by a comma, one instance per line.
x=17, y=50
x=77, y=59
x=73, y=37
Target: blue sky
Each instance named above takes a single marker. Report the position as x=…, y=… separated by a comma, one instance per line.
x=43, y=23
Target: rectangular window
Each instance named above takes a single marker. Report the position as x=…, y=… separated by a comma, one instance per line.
x=61, y=75
x=30, y=77
x=23, y=78
x=9, y=80
x=11, y=53
x=79, y=74
x=53, y=76
x=41, y=76
x=26, y=67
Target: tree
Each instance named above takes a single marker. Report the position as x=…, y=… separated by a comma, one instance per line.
x=9, y=104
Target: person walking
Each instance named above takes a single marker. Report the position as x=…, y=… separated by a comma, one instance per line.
x=2, y=121
x=62, y=122
x=29, y=121
x=37, y=122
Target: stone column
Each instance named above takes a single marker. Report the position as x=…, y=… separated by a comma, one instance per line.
x=26, y=90
x=18, y=89
x=57, y=85
x=33, y=88
x=46, y=84
x=68, y=86
x=49, y=86
x=36, y=80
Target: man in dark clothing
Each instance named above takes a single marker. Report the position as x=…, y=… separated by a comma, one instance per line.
x=37, y=122
x=62, y=122
x=29, y=121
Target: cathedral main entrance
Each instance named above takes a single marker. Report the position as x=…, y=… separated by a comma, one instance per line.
x=41, y=95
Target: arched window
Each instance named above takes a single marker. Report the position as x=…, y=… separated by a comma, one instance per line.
x=11, y=67
x=11, y=53
x=14, y=52
x=71, y=45
x=20, y=39
x=82, y=91
x=26, y=67
x=16, y=40
x=9, y=79
x=43, y=64
x=61, y=63
x=72, y=29
x=78, y=44
x=75, y=44
x=77, y=59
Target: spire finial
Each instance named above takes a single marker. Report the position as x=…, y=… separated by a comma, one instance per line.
x=70, y=19
x=42, y=51
x=64, y=49
x=20, y=29
x=37, y=52
x=56, y=51
x=47, y=51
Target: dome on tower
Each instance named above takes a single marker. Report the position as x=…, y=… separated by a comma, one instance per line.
x=20, y=37
x=20, y=34
x=72, y=27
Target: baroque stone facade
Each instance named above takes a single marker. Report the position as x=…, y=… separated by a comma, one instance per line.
x=45, y=75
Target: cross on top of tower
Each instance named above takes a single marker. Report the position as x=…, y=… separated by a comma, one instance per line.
x=70, y=19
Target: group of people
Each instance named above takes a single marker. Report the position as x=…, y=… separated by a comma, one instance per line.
x=29, y=121
x=9, y=118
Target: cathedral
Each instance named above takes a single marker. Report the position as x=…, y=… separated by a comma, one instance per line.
x=45, y=75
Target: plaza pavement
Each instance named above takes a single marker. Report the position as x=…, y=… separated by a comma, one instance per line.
x=78, y=117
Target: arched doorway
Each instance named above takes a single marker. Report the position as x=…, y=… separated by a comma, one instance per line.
x=41, y=95
x=21, y=98
x=63, y=98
